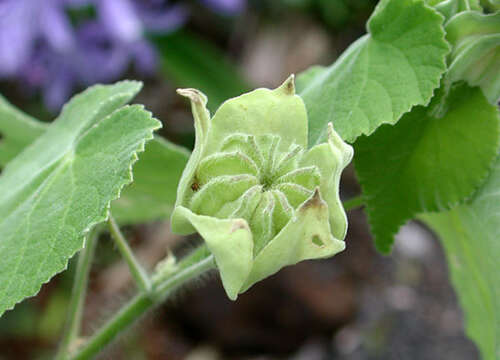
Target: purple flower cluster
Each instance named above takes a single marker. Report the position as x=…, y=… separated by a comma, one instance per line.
x=42, y=48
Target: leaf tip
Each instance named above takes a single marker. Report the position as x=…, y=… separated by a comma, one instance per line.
x=288, y=86
x=196, y=96
x=384, y=246
x=315, y=201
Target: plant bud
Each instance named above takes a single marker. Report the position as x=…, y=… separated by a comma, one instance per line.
x=253, y=190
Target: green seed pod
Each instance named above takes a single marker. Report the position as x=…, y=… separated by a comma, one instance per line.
x=253, y=190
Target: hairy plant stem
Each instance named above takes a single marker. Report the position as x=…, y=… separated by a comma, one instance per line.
x=353, y=203
x=135, y=308
x=75, y=311
x=152, y=293
x=138, y=273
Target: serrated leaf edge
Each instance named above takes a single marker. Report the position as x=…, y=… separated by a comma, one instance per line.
x=130, y=93
x=103, y=217
x=369, y=36
x=443, y=64
x=449, y=205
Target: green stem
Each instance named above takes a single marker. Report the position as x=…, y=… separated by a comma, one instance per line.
x=139, y=305
x=353, y=203
x=126, y=316
x=154, y=293
x=75, y=311
x=137, y=271
x=165, y=288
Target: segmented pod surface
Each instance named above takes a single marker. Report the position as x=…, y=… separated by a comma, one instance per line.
x=253, y=190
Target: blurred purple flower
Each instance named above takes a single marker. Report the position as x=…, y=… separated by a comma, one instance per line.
x=160, y=16
x=23, y=23
x=51, y=73
x=120, y=19
x=40, y=47
x=227, y=7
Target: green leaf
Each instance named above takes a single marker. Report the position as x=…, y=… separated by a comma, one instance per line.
x=17, y=130
x=192, y=62
x=61, y=185
x=307, y=76
x=381, y=76
x=475, y=56
x=434, y=158
x=156, y=175
x=470, y=235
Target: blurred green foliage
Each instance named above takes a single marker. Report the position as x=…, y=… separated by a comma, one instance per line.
x=193, y=62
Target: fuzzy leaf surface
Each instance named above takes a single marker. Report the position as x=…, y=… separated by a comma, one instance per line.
x=156, y=174
x=470, y=235
x=426, y=162
x=17, y=130
x=61, y=185
x=381, y=76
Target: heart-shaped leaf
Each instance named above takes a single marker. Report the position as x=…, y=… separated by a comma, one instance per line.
x=431, y=160
x=156, y=174
x=396, y=66
x=61, y=185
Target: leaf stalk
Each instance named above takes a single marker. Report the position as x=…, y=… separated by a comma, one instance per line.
x=140, y=304
x=138, y=273
x=75, y=311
